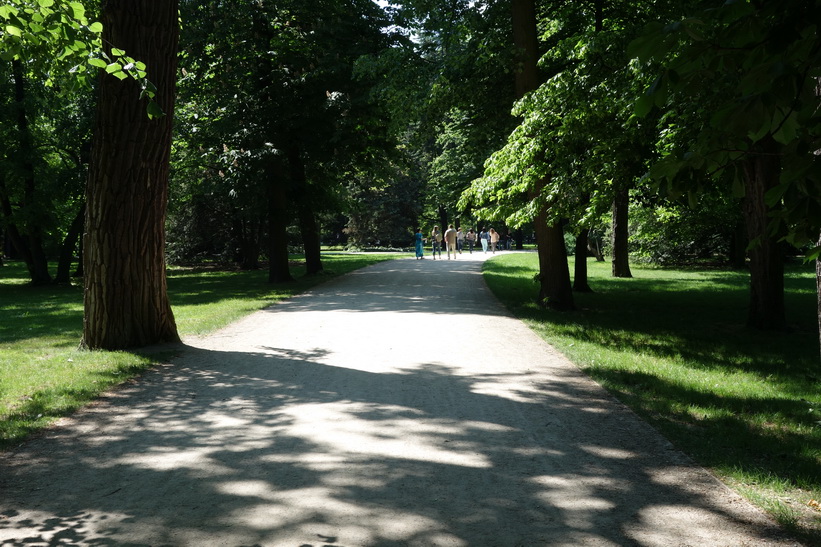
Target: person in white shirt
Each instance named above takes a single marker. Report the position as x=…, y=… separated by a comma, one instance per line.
x=450, y=240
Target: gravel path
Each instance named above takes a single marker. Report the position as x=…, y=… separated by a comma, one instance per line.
x=399, y=405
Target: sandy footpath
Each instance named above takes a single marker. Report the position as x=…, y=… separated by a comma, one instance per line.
x=399, y=405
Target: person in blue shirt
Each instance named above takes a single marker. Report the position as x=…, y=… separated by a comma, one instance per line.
x=484, y=238
x=419, y=241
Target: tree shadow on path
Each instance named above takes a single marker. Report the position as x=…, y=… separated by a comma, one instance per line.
x=293, y=444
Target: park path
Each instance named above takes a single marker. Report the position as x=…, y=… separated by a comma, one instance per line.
x=399, y=405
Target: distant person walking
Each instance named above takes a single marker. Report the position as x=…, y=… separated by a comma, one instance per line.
x=493, y=235
x=450, y=241
x=436, y=241
x=419, y=241
x=460, y=240
x=471, y=239
x=483, y=238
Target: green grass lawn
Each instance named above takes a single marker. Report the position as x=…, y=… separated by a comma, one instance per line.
x=43, y=374
x=672, y=345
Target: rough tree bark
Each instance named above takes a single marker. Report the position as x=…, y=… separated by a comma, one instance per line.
x=555, y=289
x=126, y=299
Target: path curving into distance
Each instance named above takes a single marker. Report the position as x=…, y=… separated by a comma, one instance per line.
x=399, y=405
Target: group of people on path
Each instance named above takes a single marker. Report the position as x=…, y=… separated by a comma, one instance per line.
x=454, y=240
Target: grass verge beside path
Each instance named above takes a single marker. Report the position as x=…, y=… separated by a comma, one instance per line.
x=43, y=375
x=672, y=345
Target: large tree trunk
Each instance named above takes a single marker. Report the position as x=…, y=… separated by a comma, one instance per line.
x=760, y=173
x=32, y=249
x=554, y=274
x=69, y=246
x=621, y=256
x=555, y=290
x=126, y=298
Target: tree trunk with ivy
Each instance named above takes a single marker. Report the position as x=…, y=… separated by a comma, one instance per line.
x=126, y=299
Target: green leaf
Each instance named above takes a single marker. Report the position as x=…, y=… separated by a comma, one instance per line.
x=96, y=27
x=78, y=9
x=788, y=130
x=45, y=3
x=13, y=31
x=774, y=195
x=643, y=105
x=99, y=63
x=117, y=52
x=154, y=111
x=114, y=67
x=738, y=185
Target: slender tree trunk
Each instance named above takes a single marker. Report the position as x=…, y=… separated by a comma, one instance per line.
x=69, y=246
x=554, y=274
x=14, y=240
x=126, y=298
x=278, y=270
x=305, y=213
x=248, y=234
x=79, y=271
x=761, y=173
x=33, y=253
x=738, y=247
x=580, y=282
x=310, y=238
x=818, y=291
x=621, y=256
x=443, y=218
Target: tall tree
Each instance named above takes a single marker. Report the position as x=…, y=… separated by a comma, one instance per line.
x=738, y=88
x=126, y=301
x=555, y=289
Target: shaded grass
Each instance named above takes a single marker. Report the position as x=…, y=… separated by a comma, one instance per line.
x=43, y=374
x=672, y=345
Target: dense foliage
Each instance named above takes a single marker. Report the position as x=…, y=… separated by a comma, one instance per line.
x=681, y=131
